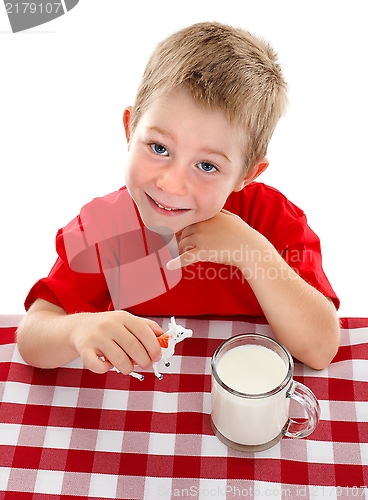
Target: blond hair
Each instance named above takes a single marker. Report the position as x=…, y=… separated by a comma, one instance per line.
x=224, y=68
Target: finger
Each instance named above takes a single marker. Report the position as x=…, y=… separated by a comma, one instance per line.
x=93, y=362
x=156, y=328
x=174, y=264
x=122, y=350
x=115, y=355
x=186, y=232
x=143, y=346
x=178, y=235
x=185, y=259
x=187, y=243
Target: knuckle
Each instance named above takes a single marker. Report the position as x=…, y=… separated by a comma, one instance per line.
x=133, y=350
x=123, y=314
x=145, y=332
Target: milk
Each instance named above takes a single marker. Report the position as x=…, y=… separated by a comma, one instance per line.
x=250, y=369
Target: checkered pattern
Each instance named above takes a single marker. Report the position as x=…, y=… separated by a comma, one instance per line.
x=69, y=433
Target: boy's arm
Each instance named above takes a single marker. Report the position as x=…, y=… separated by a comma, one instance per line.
x=303, y=319
x=48, y=338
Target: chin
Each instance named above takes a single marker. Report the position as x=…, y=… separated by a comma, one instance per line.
x=160, y=226
x=164, y=230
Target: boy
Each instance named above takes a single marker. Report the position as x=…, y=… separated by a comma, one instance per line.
x=197, y=137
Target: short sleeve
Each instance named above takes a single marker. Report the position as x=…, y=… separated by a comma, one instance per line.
x=73, y=291
x=108, y=260
x=77, y=282
x=285, y=226
x=300, y=247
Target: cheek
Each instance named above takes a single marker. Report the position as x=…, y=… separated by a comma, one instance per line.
x=127, y=173
x=209, y=207
x=138, y=164
x=214, y=199
x=132, y=170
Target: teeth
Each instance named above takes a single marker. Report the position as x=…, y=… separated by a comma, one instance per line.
x=165, y=208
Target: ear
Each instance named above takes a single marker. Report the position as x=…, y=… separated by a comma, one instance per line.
x=126, y=121
x=253, y=173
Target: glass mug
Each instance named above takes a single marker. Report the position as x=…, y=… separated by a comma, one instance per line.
x=255, y=419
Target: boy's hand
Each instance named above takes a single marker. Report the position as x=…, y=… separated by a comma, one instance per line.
x=119, y=337
x=219, y=239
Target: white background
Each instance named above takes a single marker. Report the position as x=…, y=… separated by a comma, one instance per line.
x=64, y=86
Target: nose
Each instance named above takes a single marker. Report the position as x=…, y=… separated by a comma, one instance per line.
x=173, y=179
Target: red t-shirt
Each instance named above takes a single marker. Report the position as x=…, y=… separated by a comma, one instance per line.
x=108, y=260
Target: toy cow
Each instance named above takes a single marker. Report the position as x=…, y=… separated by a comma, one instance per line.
x=168, y=340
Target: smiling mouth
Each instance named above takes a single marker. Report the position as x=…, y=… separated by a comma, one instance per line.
x=168, y=209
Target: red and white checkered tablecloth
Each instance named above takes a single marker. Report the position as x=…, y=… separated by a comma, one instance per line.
x=68, y=433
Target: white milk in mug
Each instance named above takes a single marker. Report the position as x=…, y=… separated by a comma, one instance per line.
x=251, y=389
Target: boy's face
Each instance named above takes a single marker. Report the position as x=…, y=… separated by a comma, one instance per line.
x=183, y=162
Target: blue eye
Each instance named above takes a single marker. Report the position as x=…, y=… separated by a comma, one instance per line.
x=207, y=167
x=159, y=149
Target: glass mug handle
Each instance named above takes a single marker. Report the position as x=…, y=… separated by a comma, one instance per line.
x=307, y=399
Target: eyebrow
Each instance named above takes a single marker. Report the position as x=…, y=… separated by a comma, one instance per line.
x=207, y=151
x=215, y=152
x=160, y=131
